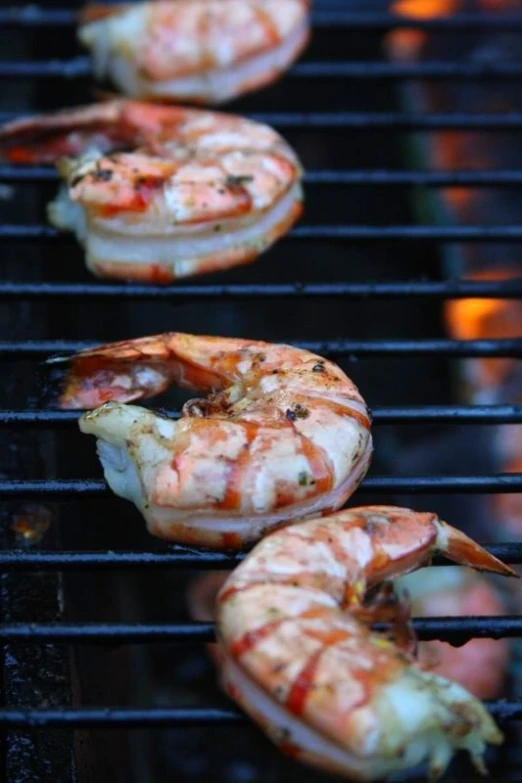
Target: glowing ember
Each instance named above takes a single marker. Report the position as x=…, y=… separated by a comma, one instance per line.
x=32, y=525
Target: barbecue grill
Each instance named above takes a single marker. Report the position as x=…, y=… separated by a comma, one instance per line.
x=77, y=567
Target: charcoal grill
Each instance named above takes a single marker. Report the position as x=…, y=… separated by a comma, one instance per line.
x=45, y=704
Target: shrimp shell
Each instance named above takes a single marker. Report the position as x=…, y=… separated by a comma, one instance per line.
x=197, y=192
x=202, y=51
x=300, y=659
x=284, y=435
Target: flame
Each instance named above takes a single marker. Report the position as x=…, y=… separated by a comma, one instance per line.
x=406, y=44
x=32, y=525
x=451, y=150
x=424, y=9
x=476, y=319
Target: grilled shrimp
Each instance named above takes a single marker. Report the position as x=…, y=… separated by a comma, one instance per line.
x=480, y=665
x=302, y=662
x=285, y=434
x=204, y=51
x=196, y=191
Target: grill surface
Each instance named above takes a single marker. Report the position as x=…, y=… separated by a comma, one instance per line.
x=294, y=300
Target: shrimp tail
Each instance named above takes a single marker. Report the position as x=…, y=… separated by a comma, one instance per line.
x=94, y=379
x=460, y=548
x=136, y=369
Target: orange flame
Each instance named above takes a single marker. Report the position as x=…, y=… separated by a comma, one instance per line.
x=476, y=319
x=406, y=44
x=424, y=9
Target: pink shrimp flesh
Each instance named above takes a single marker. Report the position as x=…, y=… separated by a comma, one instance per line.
x=196, y=192
x=284, y=435
x=202, y=51
x=300, y=659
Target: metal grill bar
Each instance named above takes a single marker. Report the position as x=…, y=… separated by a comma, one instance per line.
x=394, y=120
x=80, y=67
x=175, y=557
x=455, y=630
x=61, y=489
x=34, y=16
x=180, y=557
x=129, y=718
x=345, y=233
x=35, y=349
x=451, y=289
x=365, y=121
x=418, y=414
x=107, y=717
x=436, y=179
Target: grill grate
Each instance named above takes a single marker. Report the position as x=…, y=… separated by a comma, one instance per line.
x=456, y=630
x=435, y=179
x=364, y=121
x=80, y=67
x=33, y=16
x=454, y=289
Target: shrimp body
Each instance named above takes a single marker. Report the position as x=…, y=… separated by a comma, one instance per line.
x=204, y=51
x=285, y=434
x=325, y=688
x=480, y=665
x=196, y=192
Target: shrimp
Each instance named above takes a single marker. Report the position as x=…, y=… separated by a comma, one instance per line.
x=480, y=665
x=196, y=192
x=285, y=434
x=203, y=51
x=301, y=662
